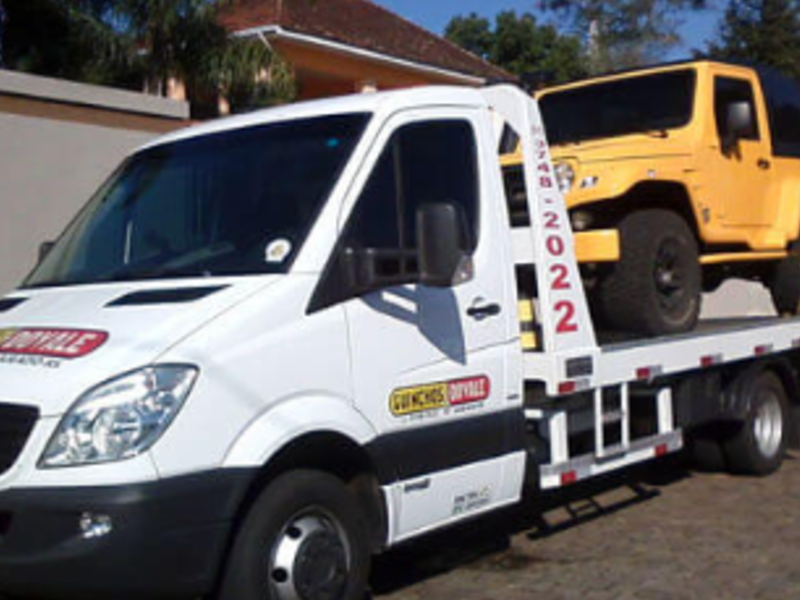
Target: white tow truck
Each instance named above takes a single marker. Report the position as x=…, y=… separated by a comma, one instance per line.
x=274, y=345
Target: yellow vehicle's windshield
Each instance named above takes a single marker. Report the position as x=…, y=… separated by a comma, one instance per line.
x=649, y=103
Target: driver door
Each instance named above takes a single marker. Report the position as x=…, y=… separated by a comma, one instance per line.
x=429, y=364
x=745, y=171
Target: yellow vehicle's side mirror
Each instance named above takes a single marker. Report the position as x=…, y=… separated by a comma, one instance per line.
x=739, y=122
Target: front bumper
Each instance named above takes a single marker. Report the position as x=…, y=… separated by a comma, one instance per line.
x=597, y=246
x=168, y=538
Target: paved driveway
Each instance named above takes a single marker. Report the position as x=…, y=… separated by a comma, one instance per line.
x=658, y=533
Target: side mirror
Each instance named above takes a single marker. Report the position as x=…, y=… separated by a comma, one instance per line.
x=442, y=237
x=44, y=250
x=739, y=121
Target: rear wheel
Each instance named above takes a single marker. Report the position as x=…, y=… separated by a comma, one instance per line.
x=704, y=448
x=304, y=539
x=655, y=287
x=785, y=283
x=759, y=446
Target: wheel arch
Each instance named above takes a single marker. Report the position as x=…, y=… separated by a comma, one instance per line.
x=334, y=453
x=322, y=447
x=663, y=194
x=293, y=418
x=320, y=433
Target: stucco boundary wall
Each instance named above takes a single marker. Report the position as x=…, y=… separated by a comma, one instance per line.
x=59, y=140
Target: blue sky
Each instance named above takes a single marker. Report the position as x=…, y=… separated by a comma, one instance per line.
x=434, y=15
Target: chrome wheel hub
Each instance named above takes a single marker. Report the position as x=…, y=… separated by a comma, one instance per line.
x=311, y=559
x=768, y=426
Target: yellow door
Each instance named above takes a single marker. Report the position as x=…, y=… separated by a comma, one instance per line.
x=742, y=169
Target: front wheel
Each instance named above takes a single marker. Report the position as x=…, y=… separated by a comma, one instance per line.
x=304, y=539
x=655, y=287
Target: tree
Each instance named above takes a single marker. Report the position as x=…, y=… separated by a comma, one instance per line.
x=623, y=33
x=518, y=44
x=144, y=44
x=473, y=33
x=232, y=73
x=765, y=32
x=38, y=36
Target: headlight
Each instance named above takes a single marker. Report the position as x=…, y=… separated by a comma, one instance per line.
x=121, y=418
x=581, y=220
x=565, y=175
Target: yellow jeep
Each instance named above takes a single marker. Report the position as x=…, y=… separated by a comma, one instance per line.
x=676, y=178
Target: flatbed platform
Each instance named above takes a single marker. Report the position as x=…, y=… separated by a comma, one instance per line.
x=716, y=342
x=612, y=341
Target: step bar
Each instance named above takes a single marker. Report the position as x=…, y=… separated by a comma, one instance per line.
x=584, y=467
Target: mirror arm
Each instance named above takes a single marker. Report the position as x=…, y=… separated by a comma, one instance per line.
x=363, y=273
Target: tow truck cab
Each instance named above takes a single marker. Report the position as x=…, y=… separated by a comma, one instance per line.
x=246, y=295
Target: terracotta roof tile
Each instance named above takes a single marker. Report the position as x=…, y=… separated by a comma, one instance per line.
x=359, y=23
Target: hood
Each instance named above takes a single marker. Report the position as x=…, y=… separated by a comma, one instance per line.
x=57, y=343
x=629, y=147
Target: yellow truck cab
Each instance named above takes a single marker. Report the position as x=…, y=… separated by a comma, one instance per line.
x=677, y=177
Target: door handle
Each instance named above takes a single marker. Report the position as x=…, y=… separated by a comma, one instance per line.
x=479, y=312
x=764, y=164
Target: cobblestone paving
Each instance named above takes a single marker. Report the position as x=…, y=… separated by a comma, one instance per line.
x=659, y=533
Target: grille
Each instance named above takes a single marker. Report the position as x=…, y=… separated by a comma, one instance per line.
x=16, y=424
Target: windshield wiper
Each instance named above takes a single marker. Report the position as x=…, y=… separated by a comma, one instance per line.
x=154, y=273
x=122, y=276
x=661, y=134
x=183, y=265
x=576, y=142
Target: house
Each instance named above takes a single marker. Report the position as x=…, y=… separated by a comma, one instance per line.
x=340, y=47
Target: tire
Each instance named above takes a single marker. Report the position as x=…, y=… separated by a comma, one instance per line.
x=704, y=449
x=785, y=283
x=759, y=446
x=654, y=289
x=304, y=538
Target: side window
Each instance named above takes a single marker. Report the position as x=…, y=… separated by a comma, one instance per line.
x=728, y=91
x=783, y=105
x=422, y=163
x=375, y=222
x=438, y=163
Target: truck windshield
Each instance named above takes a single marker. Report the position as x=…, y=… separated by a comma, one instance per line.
x=650, y=103
x=234, y=203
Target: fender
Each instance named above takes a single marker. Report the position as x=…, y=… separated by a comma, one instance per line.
x=292, y=418
x=789, y=205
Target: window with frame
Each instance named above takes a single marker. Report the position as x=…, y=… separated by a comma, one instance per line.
x=423, y=163
x=728, y=91
x=783, y=106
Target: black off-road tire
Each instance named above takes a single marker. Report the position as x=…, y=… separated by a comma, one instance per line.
x=655, y=287
x=759, y=446
x=312, y=518
x=784, y=285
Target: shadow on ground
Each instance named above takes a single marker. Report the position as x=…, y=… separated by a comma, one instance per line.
x=485, y=543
